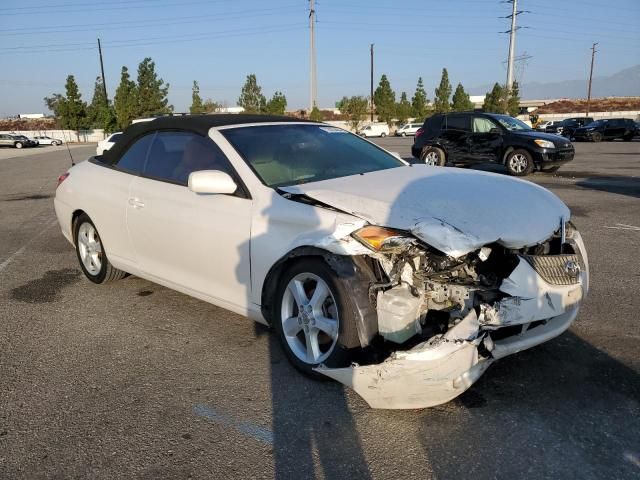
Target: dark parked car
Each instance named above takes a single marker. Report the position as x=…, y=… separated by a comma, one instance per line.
x=568, y=126
x=468, y=138
x=16, y=141
x=609, y=129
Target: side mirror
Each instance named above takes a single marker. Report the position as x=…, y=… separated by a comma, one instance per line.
x=211, y=181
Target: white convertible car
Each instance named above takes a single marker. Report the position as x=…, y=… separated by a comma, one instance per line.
x=403, y=282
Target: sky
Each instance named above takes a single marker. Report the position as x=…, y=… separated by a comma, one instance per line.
x=219, y=42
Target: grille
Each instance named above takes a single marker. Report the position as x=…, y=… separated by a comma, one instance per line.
x=555, y=269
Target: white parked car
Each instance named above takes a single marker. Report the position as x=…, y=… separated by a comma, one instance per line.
x=341, y=247
x=408, y=129
x=375, y=130
x=44, y=140
x=107, y=143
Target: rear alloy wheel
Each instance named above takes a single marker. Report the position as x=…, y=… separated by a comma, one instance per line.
x=18, y=144
x=596, y=137
x=519, y=163
x=313, y=317
x=93, y=259
x=433, y=156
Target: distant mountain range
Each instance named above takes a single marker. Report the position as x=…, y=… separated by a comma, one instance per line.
x=624, y=83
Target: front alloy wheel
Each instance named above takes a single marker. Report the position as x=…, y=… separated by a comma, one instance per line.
x=519, y=163
x=314, y=316
x=309, y=317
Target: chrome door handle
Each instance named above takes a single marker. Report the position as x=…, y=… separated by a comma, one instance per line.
x=136, y=203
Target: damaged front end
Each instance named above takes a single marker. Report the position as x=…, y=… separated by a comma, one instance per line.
x=450, y=318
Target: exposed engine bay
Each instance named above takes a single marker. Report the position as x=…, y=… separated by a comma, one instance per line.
x=450, y=318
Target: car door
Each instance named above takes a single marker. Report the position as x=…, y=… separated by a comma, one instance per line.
x=485, y=141
x=199, y=242
x=612, y=129
x=455, y=136
x=108, y=206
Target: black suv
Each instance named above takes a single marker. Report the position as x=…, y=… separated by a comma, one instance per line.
x=467, y=138
x=568, y=126
x=608, y=129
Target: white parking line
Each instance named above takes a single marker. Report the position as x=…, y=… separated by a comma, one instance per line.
x=22, y=249
x=622, y=226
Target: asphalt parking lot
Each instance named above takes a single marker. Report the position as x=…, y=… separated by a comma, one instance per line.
x=131, y=380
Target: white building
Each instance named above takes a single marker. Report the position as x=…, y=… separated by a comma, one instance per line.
x=31, y=115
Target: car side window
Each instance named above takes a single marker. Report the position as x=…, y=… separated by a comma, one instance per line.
x=482, y=125
x=174, y=155
x=133, y=159
x=458, y=122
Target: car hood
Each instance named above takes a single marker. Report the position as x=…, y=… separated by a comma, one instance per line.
x=455, y=211
x=533, y=135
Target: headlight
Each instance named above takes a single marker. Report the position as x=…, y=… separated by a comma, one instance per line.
x=378, y=238
x=544, y=143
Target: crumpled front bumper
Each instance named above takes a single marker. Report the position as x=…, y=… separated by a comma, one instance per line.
x=443, y=367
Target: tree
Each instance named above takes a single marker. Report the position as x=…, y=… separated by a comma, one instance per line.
x=494, y=100
x=384, y=98
x=460, y=101
x=196, y=100
x=513, y=103
x=152, y=91
x=55, y=103
x=403, y=108
x=70, y=110
x=277, y=105
x=251, y=98
x=443, y=92
x=100, y=112
x=125, y=101
x=419, y=107
x=209, y=106
x=354, y=108
x=316, y=114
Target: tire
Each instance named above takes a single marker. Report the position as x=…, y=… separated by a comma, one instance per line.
x=403, y=134
x=433, y=156
x=297, y=328
x=596, y=137
x=90, y=252
x=18, y=144
x=382, y=135
x=519, y=163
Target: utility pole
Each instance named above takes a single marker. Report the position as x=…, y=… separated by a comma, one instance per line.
x=512, y=44
x=371, y=97
x=593, y=54
x=312, y=58
x=104, y=83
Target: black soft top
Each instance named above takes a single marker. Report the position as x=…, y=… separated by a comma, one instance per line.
x=193, y=123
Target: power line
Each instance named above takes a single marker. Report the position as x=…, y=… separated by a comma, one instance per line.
x=168, y=39
x=151, y=22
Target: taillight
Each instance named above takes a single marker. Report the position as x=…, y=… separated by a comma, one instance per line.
x=419, y=132
x=62, y=178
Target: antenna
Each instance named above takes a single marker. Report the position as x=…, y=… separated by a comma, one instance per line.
x=66, y=143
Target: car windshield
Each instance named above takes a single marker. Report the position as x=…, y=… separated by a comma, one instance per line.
x=511, y=123
x=283, y=155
